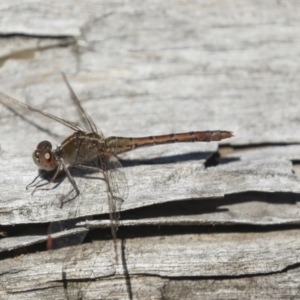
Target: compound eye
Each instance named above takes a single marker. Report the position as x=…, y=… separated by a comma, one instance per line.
x=44, y=145
x=42, y=154
x=44, y=157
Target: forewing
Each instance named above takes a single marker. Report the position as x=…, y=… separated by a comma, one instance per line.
x=14, y=104
x=84, y=117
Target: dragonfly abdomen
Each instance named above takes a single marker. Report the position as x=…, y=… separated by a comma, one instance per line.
x=121, y=144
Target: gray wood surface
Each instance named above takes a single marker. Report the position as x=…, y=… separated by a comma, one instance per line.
x=202, y=220
x=172, y=257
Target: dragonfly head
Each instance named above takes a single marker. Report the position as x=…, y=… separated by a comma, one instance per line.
x=44, y=157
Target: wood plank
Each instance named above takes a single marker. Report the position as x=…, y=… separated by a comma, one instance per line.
x=238, y=254
x=257, y=209
x=153, y=68
x=161, y=183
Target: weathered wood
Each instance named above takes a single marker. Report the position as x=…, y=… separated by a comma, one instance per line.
x=283, y=152
x=259, y=209
x=167, y=257
x=148, y=68
x=148, y=185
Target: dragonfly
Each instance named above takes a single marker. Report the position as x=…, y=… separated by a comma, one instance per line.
x=88, y=149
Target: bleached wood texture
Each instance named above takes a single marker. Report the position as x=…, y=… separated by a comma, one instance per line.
x=166, y=259
x=146, y=68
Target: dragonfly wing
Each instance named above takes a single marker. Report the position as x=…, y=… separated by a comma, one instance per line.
x=14, y=104
x=117, y=178
x=117, y=187
x=84, y=117
x=65, y=233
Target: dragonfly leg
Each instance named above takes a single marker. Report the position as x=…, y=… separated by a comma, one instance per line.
x=43, y=184
x=72, y=181
x=32, y=182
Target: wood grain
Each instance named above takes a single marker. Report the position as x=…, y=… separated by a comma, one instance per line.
x=228, y=213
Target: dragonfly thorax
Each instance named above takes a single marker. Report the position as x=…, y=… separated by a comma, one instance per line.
x=44, y=157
